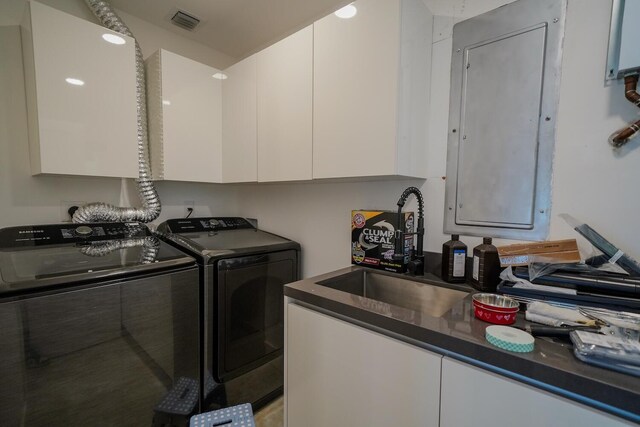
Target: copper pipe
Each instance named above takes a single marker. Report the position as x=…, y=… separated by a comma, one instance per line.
x=625, y=135
x=620, y=138
x=630, y=92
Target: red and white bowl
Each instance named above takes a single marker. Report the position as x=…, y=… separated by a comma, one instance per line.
x=496, y=309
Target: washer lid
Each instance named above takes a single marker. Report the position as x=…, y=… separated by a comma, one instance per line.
x=232, y=242
x=40, y=256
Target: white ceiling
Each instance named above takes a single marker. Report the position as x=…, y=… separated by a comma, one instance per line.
x=235, y=27
x=239, y=28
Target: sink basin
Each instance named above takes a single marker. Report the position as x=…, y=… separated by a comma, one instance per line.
x=402, y=292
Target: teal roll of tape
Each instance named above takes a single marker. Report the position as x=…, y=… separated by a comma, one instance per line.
x=510, y=339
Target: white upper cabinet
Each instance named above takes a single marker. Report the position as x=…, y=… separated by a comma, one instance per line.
x=81, y=96
x=185, y=118
x=239, y=131
x=284, y=108
x=371, y=78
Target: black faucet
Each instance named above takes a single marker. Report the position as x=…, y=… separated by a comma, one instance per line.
x=416, y=263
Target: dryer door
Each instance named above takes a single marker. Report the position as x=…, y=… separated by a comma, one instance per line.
x=250, y=325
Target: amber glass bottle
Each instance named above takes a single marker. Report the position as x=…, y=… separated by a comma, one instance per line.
x=454, y=259
x=486, y=267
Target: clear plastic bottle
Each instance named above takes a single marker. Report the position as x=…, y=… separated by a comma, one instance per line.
x=454, y=260
x=486, y=266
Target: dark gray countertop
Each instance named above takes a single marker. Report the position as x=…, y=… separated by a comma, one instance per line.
x=551, y=366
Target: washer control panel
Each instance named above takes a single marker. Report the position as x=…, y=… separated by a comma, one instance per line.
x=187, y=225
x=36, y=235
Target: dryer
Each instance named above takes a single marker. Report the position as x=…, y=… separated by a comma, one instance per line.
x=243, y=271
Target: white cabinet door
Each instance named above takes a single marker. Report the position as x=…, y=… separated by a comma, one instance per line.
x=239, y=131
x=185, y=118
x=371, y=90
x=81, y=96
x=339, y=374
x=476, y=398
x=284, y=112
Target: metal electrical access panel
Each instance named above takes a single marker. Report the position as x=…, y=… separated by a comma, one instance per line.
x=624, y=52
x=505, y=80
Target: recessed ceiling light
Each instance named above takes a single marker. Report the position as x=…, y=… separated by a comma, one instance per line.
x=349, y=11
x=220, y=76
x=75, y=82
x=112, y=38
x=165, y=102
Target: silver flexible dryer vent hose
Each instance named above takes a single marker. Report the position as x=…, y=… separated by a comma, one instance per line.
x=150, y=248
x=103, y=212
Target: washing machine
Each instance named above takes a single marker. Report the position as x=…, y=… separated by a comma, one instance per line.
x=99, y=326
x=243, y=271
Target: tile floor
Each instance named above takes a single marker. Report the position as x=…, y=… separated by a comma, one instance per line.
x=271, y=415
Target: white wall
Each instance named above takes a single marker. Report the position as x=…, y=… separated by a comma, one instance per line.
x=591, y=181
x=318, y=215
x=26, y=199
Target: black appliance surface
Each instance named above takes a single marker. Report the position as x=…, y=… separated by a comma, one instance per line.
x=33, y=257
x=100, y=326
x=603, y=291
x=229, y=236
x=243, y=273
x=611, y=302
x=602, y=284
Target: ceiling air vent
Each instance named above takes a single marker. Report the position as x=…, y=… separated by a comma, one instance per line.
x=184, y=20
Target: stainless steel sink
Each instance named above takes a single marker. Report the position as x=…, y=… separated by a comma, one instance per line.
x=403, y=292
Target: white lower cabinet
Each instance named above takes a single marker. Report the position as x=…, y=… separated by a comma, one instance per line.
x=475, y=397
x=339, y=374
